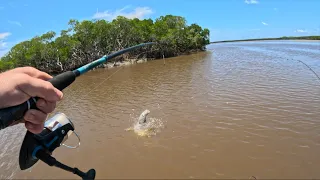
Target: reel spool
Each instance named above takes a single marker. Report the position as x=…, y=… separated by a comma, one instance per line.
x=37, y=147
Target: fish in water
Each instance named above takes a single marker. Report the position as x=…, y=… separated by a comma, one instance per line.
x=143, y=117
x=143, y=127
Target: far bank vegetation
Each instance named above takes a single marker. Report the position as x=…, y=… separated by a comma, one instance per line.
x=87, y=41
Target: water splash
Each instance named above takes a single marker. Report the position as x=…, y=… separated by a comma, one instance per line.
x=152, y=127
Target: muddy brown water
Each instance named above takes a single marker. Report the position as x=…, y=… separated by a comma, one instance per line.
x=236, y=111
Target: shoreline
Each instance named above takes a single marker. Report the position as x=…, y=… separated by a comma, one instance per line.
x=259, y=40
x=129, y=62
x=306, y=40
x=126, y=62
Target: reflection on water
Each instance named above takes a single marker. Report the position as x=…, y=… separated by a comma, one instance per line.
x=236, y=111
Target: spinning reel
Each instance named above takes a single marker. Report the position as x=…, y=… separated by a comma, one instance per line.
x=40, y=146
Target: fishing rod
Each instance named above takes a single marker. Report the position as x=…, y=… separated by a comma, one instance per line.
x=58, y=128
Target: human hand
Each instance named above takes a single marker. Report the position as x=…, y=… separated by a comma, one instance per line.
x=20, y=84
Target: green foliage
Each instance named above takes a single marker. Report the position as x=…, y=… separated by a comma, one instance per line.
x=86, y=41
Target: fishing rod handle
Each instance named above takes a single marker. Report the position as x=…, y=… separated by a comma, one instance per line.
x=11, y=115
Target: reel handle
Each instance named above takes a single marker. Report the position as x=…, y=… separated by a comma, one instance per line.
x=13, y=114
x=51, y=161
x=90, y=175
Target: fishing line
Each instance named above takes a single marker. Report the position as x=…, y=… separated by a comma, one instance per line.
x=171, y=96
x=302, y=63
x=280, y=57
x=104, y=81
x=310, y=69
x=78, y=93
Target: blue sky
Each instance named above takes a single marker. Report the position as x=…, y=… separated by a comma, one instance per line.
x=227, y=19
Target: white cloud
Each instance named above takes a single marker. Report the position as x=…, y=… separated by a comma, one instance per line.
x=266, y=24
x=139, y=12
x=15, y=23
x=300, y=31
x=4, y=35
x=251, y=1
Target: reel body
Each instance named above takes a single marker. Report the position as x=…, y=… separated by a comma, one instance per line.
x=40, y=146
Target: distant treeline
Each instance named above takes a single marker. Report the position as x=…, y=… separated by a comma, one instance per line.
x=87, y=41
x=281, y=38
